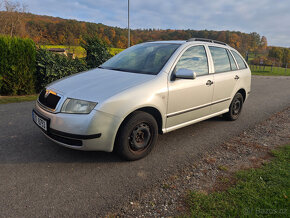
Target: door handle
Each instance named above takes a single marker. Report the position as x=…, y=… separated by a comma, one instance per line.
x=209, y=83
x=237, y=77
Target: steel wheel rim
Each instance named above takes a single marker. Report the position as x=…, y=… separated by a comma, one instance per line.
x=140, y=137
x=237, y=105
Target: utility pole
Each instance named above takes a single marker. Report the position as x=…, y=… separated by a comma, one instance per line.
x=128, y=23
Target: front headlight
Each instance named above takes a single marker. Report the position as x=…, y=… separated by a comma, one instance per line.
x=75, y=106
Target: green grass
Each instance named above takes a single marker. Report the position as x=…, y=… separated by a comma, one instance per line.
x=78, y=50
x=13, y=99
x=258, y=192
x=251, y=56
x=277, y=71
x=115, y=51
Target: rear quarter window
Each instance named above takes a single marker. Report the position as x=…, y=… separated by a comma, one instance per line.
x=233, y=63
x=240, y=61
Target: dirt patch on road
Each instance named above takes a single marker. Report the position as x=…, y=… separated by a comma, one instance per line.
x=215, y=170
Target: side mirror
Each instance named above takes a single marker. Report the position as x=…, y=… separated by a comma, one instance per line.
x=183, y=73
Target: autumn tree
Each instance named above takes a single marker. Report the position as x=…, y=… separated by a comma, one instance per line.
x=235, y=41
x=276, y=53
x=263, y=43
x=14, y=14
x=222, y=36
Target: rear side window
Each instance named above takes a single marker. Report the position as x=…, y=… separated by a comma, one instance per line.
x=220, y=59
x=233, y=63
x=194, y=59
x=239, y=60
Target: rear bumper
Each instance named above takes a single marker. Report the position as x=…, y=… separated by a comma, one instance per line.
x=94, y=131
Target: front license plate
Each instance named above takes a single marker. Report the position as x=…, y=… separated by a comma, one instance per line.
x=42, y=123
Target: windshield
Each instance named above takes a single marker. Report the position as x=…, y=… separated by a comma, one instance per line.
x=147, y=58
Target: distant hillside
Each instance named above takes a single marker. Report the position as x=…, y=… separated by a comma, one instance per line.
x=58, y=31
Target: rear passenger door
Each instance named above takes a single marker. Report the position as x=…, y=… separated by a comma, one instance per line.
x=225, y=78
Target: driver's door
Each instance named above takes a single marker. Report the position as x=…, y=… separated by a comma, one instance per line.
x=190, y=99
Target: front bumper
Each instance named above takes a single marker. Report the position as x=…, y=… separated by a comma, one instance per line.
x=94, y=131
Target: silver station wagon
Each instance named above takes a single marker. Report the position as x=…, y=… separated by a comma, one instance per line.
x=148, y=89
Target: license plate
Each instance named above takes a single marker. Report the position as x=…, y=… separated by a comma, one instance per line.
x=42, y=123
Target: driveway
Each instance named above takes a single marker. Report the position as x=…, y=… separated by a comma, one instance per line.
x=40, y=178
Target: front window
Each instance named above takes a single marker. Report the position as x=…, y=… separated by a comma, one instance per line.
x=146, y=58
x=194, y=59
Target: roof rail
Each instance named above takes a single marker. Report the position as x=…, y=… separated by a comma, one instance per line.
x=206, y=40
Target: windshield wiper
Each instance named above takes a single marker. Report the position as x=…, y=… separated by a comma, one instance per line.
x=118, y=69
x=112, y=68
x=126, y=70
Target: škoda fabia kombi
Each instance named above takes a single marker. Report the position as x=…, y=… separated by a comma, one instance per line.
x=148, y=89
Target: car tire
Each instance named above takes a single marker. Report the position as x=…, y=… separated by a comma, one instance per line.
x=235, y=108
x=137, y=136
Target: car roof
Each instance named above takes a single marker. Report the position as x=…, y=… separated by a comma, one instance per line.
x=193, y=41
x=169, y=41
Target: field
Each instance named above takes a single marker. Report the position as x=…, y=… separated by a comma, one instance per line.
x=115, y=51
x=267, y=71
x=78, y=50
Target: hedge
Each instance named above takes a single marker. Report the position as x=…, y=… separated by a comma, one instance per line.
x=17, y=66
x=26, y=69
x=51, y=67
x=97, y=51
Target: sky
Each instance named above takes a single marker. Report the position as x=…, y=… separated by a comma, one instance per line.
x=270, y=18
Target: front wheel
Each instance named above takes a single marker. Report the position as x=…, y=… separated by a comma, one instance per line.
x=235, y=107
x=137, y=136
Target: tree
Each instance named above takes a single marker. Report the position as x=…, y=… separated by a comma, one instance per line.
x=97, y=51
x=286, y=56
x=276, y=53
x=235, y=41
x=15, y=12
x=222, y=36
x=254, y=41
x=263, y=44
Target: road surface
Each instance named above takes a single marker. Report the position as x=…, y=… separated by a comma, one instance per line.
x=40, y=178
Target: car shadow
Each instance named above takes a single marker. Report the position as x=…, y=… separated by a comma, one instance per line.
x=37, y=148
x=218, y=118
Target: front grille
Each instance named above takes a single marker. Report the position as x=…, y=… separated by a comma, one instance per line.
x=50, y=101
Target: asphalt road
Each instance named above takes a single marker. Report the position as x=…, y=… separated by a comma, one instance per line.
x=40, y=178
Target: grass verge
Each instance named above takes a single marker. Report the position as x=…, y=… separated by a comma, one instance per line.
x=14, y=99
x=267, y=71
x=258, y=192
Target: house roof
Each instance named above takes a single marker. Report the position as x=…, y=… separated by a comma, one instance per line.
x=56, y=49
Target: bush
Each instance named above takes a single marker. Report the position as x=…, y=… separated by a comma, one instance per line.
x=17, y=66
x=51, y=67
x=97, y=51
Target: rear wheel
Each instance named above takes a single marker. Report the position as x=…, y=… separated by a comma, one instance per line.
x=137, y=136
x=235, y=108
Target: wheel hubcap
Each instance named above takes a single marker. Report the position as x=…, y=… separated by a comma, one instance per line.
x=140, y=137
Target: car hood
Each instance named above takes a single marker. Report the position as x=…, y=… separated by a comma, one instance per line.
x=98, y=84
